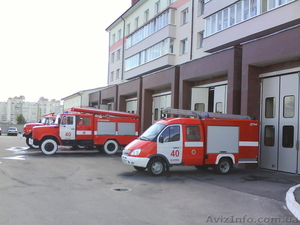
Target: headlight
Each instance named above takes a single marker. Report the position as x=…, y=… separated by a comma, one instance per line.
x=136, y=152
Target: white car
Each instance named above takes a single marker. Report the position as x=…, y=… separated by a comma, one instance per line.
x=0, y=131
x=12, y=131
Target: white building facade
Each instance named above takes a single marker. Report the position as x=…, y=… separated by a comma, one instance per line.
x=32, y=111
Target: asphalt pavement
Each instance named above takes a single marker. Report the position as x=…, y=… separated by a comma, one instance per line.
x=80, y=187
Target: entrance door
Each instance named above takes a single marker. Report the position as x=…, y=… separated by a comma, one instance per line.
x=160, y=102
x=209, y=99
x=220, y=99
x=200, y=99
x=279, y=123
x=131, y=106
x=67, y=128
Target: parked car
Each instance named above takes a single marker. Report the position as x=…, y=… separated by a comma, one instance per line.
x=12, y=131
x=0, y=131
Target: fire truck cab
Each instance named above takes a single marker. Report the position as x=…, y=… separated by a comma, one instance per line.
x=208, y=142
x=48, y=119
x=106, y=130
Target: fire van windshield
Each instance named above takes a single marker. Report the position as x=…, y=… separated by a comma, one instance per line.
x=151, y=133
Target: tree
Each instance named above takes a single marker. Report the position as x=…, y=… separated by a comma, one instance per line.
x=21, y=119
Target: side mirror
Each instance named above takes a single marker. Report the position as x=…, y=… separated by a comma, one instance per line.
x=161, y=139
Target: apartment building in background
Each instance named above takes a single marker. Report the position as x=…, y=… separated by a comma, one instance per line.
x=239, y=57
x=32, y=111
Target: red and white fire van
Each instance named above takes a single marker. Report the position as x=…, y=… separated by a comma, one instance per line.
x=103, y=129
x=218, y=141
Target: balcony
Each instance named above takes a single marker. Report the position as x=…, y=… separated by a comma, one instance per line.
x=154, y=65
x=263, y=24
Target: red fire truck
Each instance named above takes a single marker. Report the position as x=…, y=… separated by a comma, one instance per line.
x=207, y=140
x=103, y=129
x=48, y=119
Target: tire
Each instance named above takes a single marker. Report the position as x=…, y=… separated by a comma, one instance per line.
x=156, y=167
x=100, y=148
x=138, y=168
x=111, y=147
x=224, y=166
x=29, y=145
x=49, y=146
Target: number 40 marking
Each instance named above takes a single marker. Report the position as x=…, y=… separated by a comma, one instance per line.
x=175, y=153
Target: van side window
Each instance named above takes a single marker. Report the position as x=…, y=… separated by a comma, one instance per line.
x=192, y=133
x=84, y=121
x=171, y=134
x=67, y=120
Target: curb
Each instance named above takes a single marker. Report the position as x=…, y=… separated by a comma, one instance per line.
x=291, y=203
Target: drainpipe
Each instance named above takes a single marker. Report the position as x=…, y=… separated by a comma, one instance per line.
x=192, y=31
x=123, y=50
x=80, y=98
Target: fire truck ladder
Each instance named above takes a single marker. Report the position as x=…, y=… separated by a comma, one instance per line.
x=104, y=112
x=201, y=115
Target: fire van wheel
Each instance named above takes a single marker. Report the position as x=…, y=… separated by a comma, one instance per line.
x=111, y=147
x=29, y=145
x=49, y=146
x=138, y=168
x=224, y=166
x=156, y=167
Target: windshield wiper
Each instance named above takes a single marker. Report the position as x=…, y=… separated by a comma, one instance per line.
x=144, y=138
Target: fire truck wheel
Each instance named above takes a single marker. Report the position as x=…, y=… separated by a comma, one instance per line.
x=138, y=168
x=111, y=147
x=29, y=145
x=49, y=146
x=156, y=167
x=224, y=166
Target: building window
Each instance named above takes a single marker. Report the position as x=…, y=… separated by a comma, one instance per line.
x=157, y=7
x=269, y=138
x=232, y=15
x=270, y=107
x=119, y=34
x=238, y=12
x=200, y=39
x=146, y=14
x=118, y=74
x=128, y=29
x=289, y=106
x=200, y=7
x=219, y=107
x=184, y=46
x=246, y=9
x=136, y=23
x=113, y=38
x=288, y=136
x=112, y=59
x=112, y=76
x=184, y=16
x=119, y=54
x=199, y=107
x=264, y=6
x=171, y=1
x=253, y=8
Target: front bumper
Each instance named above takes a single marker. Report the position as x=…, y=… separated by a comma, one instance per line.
x=135, y=161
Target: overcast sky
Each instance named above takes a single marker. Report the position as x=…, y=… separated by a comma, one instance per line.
x=54, y=48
